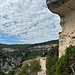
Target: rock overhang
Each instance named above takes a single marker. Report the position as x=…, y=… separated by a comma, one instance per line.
x=61, y=7
x=66, y=10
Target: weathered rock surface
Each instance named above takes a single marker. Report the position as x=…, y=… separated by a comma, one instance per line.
x=66, y=10
x=41, y=47
x=9, y=64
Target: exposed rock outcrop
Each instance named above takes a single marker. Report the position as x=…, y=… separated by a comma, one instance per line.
x=66, y=10
x=42, y=47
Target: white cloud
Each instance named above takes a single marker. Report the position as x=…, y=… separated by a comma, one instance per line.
x=29, y=21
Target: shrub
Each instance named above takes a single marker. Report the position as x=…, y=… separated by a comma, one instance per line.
x=24, y=70
x=64, y=63
x=51, y=61
x=63, y=66
x=11, y=72
x=2, y=73
x=30, y=70
x=35, y=66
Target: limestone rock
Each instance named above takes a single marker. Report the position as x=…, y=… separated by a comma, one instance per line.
x=41, y=47
x=66, y=10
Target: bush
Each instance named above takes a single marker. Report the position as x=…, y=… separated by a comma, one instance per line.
x=24, y=70
x=63, y=66
x=51, y=61
x=2, y=73
x=64, y=63
x=11, y=72
x=35, y=66
x=30, y=70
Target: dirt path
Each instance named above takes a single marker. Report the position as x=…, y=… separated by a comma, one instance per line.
x=43, y=67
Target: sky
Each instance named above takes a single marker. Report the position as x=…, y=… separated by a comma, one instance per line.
x=27, y=22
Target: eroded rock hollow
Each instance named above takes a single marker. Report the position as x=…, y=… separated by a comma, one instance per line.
x=66, y=10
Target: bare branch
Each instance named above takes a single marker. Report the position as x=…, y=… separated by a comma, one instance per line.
x=71, y=66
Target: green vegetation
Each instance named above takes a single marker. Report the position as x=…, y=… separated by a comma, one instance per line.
x=51, y=60
x=1, y=54
x=21, y=54
x=35, y=66
x=30, y=70
x=63, y=66
x=22, y=48
x=11, y=72
x=27, y=70
x=33, y=54
x=65, y=63
x=2, y=73
x=45, y=43
x=24, y=70
x=16, y=46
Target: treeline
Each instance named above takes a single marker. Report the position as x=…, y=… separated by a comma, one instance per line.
x=15, y=46
x=63, y=66
x=22, y=52
x=21, y=46
x=46, y=43
x=22, y=49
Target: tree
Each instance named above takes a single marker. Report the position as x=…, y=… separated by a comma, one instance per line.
x=2, y=73
x=66, y=64
x=51, y=60
x=24, y=70
x=35, y=66
x=11, y=72
x=63, y=66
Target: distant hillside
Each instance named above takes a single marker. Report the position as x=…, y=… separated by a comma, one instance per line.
x=24, y=49
x=17, y=54
x=48, y=42
x=15, y=46
x=24, y=46
x=21, y=46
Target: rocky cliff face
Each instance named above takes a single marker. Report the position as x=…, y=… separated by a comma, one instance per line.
x=66, y=10
x=42, y=47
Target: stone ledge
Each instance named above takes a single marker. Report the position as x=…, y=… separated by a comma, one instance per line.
x=61, y=7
